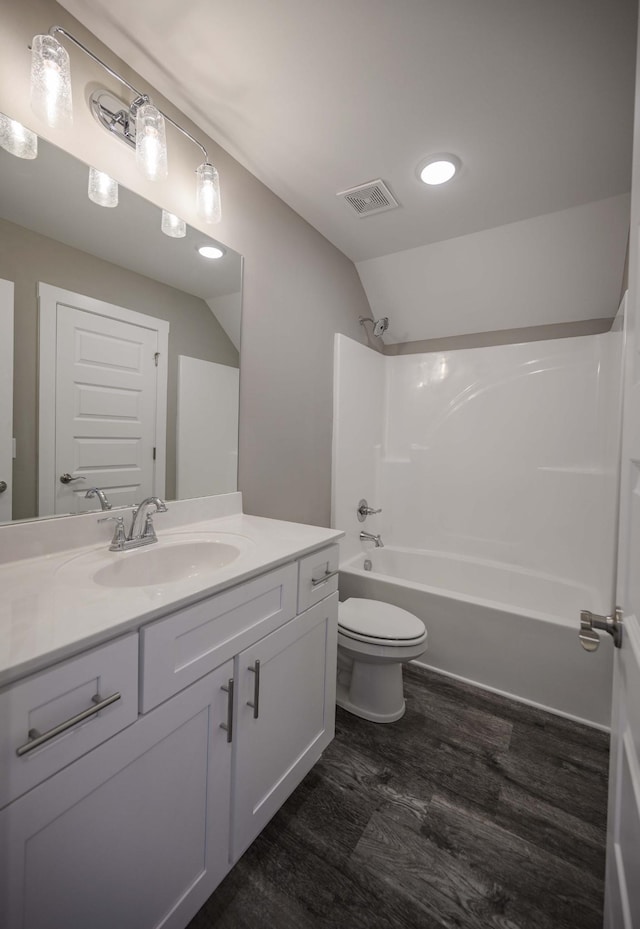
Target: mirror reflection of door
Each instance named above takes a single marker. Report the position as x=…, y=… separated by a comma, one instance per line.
x=103, y=398
x=6, y=392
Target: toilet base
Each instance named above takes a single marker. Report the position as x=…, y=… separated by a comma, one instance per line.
x=374, y=692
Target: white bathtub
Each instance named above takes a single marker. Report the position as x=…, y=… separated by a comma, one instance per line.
x=503, y=628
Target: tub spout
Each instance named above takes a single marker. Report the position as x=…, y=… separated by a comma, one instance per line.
x=370, y=537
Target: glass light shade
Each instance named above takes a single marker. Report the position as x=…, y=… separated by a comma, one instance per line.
x=173, y=226
x=17, y=139
x=151, y=142
x=103, y=190
x=50, y=81
x=208, y=194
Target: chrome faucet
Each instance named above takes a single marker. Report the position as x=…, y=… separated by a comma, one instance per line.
x=101, y=495
x=142, y=530
x=370, y=537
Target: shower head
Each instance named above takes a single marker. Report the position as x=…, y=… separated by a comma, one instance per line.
x=379, y=325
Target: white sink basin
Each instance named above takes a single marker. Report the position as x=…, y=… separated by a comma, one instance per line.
x=174, y=558
x=155, y=565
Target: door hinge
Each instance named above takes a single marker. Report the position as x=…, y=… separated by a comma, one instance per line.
x=156, y=355
x=154, y=453
x=589, y=622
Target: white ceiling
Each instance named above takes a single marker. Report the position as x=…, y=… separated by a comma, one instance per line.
x=535, y=97
x=49, y=196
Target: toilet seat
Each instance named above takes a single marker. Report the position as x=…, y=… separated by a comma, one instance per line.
x=377, y=623
x=374, y=641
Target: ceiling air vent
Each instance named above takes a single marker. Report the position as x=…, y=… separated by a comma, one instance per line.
x=374, y=197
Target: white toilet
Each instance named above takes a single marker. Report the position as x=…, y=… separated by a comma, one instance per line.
x=374, y=639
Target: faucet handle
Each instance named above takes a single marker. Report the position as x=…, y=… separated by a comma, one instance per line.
x=119, y=535
x=363, y=510
x=149, y=531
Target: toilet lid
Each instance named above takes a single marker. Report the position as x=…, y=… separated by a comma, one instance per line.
x=377, y=620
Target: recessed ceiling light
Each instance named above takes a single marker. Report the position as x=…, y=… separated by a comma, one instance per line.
x=210, y=251
x=438, y=169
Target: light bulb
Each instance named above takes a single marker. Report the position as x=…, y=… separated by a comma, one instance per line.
x=103, y=190
x=17, y=139
x=173, y=226
x=151, y=142
x=208, y=194
x=438, y=169
x=50, y=81
x=210, y=251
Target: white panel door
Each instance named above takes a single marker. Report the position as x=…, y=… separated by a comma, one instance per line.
x=105, y=408
x=207, y=428
x=106, y=403
x=622, y=887
x=6, y=399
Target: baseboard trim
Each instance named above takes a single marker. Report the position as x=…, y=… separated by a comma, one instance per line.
x=504, y=693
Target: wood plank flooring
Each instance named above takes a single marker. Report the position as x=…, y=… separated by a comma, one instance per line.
x=473, y=812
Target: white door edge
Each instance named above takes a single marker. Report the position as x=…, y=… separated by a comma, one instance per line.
x=6, y=397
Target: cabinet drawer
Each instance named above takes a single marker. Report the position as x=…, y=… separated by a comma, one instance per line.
x=178, y=650
x=46, y=702
x=318, y=576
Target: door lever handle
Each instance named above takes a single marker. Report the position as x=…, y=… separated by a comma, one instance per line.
x=589, y=622
x=67, y=478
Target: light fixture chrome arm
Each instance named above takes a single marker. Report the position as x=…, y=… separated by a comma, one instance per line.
x=60, y=30
x=139, y=95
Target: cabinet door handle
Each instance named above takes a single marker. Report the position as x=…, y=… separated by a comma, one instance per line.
x=328, y=574
x=36, y=739
x=256, y=689
x=228, y=726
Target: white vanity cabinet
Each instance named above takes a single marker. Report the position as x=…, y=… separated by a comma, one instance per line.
x=285, y=715
x=237, y=702
x=135, y=834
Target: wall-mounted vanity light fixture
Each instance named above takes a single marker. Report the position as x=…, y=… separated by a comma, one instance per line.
x=173, y=226
x=103, y=190
x=138, y=124
x=17, y=139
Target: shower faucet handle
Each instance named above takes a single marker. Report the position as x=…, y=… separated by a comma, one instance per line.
x=365, y=510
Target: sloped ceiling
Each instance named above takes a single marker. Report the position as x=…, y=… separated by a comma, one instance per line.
x=535, y=98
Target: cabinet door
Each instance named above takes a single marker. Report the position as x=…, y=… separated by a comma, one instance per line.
x=285, y=715
x=135, y=834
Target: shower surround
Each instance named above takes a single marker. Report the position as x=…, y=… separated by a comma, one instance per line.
x=496, y=470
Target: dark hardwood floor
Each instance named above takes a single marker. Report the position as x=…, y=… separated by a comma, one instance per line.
x=472, y=811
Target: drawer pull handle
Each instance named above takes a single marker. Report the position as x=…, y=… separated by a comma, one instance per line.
x=228, y=726
x=315, y=582
x=36, y=739
x=256, y=689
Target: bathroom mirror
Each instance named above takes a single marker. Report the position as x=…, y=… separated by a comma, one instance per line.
x=126, y=348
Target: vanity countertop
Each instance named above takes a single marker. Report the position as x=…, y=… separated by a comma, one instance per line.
x=47, y=614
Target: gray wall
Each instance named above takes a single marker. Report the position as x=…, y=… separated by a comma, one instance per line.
x=298, y=289
x=25, y=259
